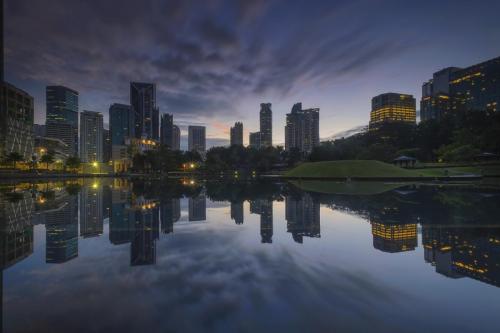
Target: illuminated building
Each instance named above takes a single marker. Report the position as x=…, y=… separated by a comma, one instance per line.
x=392, y=107
x=237, y=134
x=141, y=145
x=303, y=217
x=91, y=136
x=475, y=88
x=237, y=213
x=394, y=238
x=45, y=144
x=197, y=139
x=266, y=125
x=146, y=113
x=62, y=116
x=16, y=121
x=254, y=140
x=302, y=129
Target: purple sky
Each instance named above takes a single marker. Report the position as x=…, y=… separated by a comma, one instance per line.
x=215, y=61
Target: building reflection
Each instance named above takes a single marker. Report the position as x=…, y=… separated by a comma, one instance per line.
x=303, y=217
x=170, y=212
x=145, y=232
x=394, y=238
x=457, y=252
x=61, y=225
x=122, y=219
x=91, y=210
x=198, y=208
x=264, y=208
x=237, y=213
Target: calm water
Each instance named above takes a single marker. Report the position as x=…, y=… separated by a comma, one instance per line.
x=122, y=256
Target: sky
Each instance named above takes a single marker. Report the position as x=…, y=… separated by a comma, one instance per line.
x=215, y=61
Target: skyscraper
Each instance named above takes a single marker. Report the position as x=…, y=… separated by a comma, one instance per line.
x=91, y=212
x=166, y=130
x=197, y=139
x=237, y=134
x=91, y=136
x=146, y=113
x=106, y=146
x=302, y=129
x=121, y=123
x=392, y=107
x=16, y=121
x=237, y=213
x=62, y=116
x=254, y=140
x=266, y=125
x=176, y=138
x=198, y=208
x=266, y=221
x=170, y=212
x=62, y=232
x=302, y=216
x=475, y=88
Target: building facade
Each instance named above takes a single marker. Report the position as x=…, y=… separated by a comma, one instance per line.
x=121, y=123
x=393, y=108
x=106, y=146
x=302, y=129
x=91, y=136
x=167, y=130
x=254, y=140
x=176, y=138
x=266, y=125
x=197, y=139
x=62, y=116
x=146, y=113
x=16, y=121
x=237, y=134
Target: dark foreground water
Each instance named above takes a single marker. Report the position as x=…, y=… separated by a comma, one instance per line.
x=121, y=256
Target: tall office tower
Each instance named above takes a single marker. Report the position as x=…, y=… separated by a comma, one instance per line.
x=266, y=221
x=121, y=123
x=62, y=116
x=198, y=208
x=266, y=125
x=392, y=107
x=16, y=121
x=237, y=134
x=146, y=114
x=91, y=136
x=106, y=146
x=303, y=217
x=254, y=140
x=176, y=138
x=475, y=88
x=145, y=234
x=302, y=129
x=435, y=100
x=62, y=231
x=394, y=238
x=237, y=212
x=167, y=130
x=91, y=209
x=122, y=219
x=197, y=139
x=170, y=212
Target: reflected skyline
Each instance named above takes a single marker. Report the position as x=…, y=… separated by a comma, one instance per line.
x=149, y=220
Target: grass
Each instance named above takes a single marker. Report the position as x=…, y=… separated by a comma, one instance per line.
x=377, y=169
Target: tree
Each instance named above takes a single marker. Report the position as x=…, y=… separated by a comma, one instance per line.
x=73, y=162
x=14, y=157
x=47, y=159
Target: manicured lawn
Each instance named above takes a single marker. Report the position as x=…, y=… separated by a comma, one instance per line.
x=377, y=169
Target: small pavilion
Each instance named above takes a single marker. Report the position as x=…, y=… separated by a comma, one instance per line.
x=405, y=161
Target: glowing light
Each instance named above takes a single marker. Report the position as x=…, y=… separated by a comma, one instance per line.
x=192, y=166
x=95, y=185
x=95, y=164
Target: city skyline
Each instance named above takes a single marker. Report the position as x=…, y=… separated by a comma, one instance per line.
x=318, y=81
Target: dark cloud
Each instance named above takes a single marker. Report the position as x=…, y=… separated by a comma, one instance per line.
x=202, y=55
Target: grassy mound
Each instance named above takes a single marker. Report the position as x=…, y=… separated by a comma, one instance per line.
x=349, y=168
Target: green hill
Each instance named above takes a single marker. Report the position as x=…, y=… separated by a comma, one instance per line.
x=373, y=169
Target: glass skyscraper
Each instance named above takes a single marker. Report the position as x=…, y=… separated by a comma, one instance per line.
x=146, y=113
x=121, y=123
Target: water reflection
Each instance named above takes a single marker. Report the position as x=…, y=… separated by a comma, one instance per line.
x=459, y=227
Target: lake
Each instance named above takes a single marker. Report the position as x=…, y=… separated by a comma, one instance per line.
x=117, y=255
